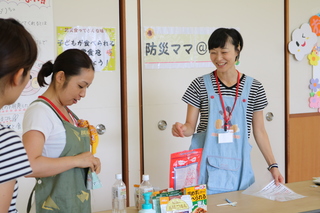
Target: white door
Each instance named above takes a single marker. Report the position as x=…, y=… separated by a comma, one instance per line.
x=102, y=102
x=261, y=58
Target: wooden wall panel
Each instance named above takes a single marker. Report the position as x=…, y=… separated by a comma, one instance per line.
x=303, y=147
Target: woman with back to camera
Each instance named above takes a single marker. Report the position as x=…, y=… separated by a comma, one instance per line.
x=57, y=145
x=228, y=102
x=18, y=52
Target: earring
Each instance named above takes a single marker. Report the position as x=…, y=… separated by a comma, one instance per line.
x=237, y=62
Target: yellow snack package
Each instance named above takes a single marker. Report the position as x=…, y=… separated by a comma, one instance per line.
x=198, y=195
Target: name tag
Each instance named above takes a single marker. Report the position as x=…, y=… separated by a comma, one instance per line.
x=226, y=137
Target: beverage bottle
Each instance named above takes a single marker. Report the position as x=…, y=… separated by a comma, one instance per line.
x=119, y=195
x=144, y=187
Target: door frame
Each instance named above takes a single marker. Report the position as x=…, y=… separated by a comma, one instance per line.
x=286, y=83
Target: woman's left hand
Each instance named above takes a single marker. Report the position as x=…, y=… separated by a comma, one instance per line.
x=278, y=178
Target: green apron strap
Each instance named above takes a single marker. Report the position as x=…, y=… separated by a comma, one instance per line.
x=30, y=199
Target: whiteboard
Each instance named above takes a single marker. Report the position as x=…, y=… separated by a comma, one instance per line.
x=36, y=17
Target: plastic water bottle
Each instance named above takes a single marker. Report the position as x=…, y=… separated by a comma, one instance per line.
x=119, y=195
x=145, y=186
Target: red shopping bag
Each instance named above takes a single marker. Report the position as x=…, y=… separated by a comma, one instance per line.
x=185, y=168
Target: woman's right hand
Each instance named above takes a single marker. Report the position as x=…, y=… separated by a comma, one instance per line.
x=188, y=128
x=178, y=129
x=87, y=159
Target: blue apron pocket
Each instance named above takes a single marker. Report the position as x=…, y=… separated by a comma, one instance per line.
x=223, y=173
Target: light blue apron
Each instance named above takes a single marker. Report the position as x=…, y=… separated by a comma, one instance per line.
x=225, y=167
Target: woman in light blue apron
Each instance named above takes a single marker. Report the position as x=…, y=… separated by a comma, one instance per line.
x=228, y=102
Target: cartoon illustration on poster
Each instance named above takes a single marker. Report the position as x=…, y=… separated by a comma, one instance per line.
x=32, y=86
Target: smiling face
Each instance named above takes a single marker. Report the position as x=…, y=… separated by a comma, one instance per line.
x=76, y=87
x=303, y=40
x=224, y=58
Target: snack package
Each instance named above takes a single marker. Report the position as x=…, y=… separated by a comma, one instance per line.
x=176, y=204
x=199, y=197
x=185, y=168
x=93, y=181
x=136, y=195
x=163, y=193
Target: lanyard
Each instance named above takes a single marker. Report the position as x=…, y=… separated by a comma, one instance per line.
x=227, y=118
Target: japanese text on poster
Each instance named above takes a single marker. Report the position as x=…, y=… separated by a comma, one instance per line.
x=97, y=42
x=176, y=47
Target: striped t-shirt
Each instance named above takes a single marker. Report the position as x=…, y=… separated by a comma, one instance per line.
x=13, y=160
x=196, y=95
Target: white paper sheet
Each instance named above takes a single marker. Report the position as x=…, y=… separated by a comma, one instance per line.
x=278, y=193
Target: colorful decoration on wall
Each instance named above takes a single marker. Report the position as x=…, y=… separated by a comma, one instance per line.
x=304, y=42
x=315, y=24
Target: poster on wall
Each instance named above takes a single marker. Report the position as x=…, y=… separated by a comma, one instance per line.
x=176, y=47
x=37, y=17
x=97, y=42
x=304, y=43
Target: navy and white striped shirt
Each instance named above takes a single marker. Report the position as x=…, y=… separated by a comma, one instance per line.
x=196, y=95
x=13, y=160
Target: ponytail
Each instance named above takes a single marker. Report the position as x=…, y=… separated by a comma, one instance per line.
x=45, y=71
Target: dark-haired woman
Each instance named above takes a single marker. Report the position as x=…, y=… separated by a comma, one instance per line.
x=228, y=102
x=18, y=52
x=57, y=146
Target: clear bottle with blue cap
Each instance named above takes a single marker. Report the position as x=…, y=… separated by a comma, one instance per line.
x=145, y=186
x=147, y=206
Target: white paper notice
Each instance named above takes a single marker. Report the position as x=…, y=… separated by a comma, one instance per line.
x=277, y=193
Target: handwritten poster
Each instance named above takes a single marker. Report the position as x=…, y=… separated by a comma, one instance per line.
x=37, y=17
x=176, y=47
x=97, y=42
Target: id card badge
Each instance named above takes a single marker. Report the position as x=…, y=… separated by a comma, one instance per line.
x=225, y=137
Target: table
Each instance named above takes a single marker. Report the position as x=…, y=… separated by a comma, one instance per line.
x=249, y=203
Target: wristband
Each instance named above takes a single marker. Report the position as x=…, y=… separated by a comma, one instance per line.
x=274, y=165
